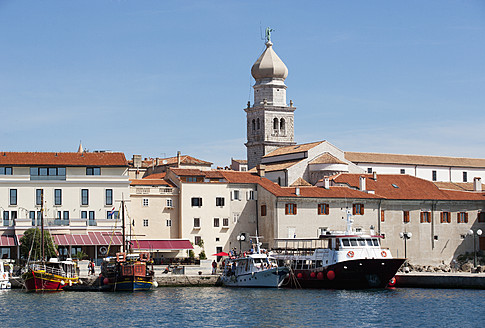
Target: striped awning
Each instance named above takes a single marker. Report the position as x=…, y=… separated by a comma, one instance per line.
x=91, y=239
x=7, y=241
x=162, y=245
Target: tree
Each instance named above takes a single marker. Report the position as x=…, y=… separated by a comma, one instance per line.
x=32, y=236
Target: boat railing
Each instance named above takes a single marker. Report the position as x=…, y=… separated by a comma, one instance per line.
x=48, y=269
x=294, y=251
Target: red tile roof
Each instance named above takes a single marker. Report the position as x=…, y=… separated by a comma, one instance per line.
x=402, y=186
x=62, y=159
x=184, y=159
x=293, y=149
x=188, y=172
x=156, y=179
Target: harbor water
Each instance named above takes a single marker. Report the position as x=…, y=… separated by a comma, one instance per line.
x=237, y=307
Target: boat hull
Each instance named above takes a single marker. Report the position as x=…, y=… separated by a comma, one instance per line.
x=271, y=278
x=130, y=284
x=42, y=281
x=352, y=274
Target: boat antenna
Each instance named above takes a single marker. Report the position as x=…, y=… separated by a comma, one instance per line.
x=42, y=225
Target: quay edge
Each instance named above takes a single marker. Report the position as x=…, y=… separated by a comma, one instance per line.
x=441, y=280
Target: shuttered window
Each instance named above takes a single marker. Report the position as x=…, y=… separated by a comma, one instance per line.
x=405, y=216
x=425, y=217
x=358, y=209
x=290, y=209
x=323, y=209
x=445, y=217
x=462, y=217
x=263, y=210
x=383, y=217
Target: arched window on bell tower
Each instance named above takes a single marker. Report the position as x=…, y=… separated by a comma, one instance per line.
x=275, y=124
x=257, y=124
x=254, y=125
x=282, y=125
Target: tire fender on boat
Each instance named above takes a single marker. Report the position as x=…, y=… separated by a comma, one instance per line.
x=350, y=254
x=331, y=275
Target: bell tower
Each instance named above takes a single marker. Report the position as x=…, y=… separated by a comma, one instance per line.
x=270, y=120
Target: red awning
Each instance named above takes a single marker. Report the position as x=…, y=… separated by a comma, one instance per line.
x=91, y=239
x=167, y=244
x=7, y=241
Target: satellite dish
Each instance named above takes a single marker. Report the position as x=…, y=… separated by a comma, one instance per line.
x=164, y=161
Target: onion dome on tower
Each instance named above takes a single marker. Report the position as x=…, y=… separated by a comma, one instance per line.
x=269, y=65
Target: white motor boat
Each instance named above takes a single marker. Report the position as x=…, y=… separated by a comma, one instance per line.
x=6, y=272
x=254, y=270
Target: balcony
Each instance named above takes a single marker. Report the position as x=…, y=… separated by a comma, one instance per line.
x=8, y=223
x=92, y=223
x=58, y=222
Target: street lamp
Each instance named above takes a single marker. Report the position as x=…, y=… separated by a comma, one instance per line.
x=241, y=238
x=472, y=233
x=405, y=235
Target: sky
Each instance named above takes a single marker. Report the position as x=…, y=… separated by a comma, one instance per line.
x=157, y=77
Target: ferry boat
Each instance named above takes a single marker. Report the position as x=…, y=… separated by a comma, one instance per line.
x=340, y=260
x=254, y=270
x=52, y=275
x=128, y=272
x=6, y=272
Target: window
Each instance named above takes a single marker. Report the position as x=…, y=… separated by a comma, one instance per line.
x=191, y=179
x=84, y=197
x=405, y=216
x=93, y=171
x=481, y=217
x=109, y=197
x=225, y=222
x=169, y=202
x=425, y=217
x=358, y=209
x=263, y=210
x=219, y=201
x=462, y=217
x=383, y=217
x=403, y=171
x=197, y=240
x=145, y=222
x=145, y=202
x=113, y=215
x=196, y=222
x=216, y=222
x=275, y=124
x=445, y=217
x=251, y=195
x=323, y=209
x=47, y=173
x=84, y=214
x=235, y=195
x=235, y=217
x=6, y=215
x=13, y=215
x=5, y=170
x=13, y=197
x=369, y=170
x=196, y=201
x=282, y=124
x=39, y=196
x=290, y=209
x=32, y=217
x=465, y=177
x=57, y=197
x=258, y=125
x=254, y=125
x=91, y=215
x=168, y=222
x=433, y=175
x=59, y=215
x=65, y=215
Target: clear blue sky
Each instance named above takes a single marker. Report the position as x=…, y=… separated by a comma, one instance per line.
x=155, y=77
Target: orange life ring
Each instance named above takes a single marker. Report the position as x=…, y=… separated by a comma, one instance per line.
x=383, y=253
x=350, y=253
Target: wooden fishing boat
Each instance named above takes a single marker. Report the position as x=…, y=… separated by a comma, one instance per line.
x=52, y=275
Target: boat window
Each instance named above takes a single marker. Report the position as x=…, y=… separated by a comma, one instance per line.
x=345, y=242
x=369, y=242
x=375, y=241
x=361, y=242
x=353, y=242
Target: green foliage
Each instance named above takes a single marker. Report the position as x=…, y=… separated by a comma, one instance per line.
x=191, y=254
x=202, y=255
x=81, y=256
x=201, y=243
x=32, y=235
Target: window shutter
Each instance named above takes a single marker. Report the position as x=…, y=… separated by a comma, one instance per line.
x=466, y=217
x=286, y=209
x=441, y=217
x=232, y=195
x=247, y=195
x=422, y=217
x=458, y=217
x=383, y=218
x=327, y=209
x=319, y=209
x=353, y=209
x=294, y=209
x=361, y=209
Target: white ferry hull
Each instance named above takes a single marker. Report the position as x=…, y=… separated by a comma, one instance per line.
x=272, y=278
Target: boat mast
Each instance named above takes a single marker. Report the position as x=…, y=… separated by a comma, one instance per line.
x=123, y=223
x=42, y=225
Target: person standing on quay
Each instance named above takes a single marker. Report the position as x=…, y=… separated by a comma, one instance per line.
x=214, y=267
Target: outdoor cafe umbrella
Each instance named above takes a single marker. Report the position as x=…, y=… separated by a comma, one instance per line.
x=220, y=254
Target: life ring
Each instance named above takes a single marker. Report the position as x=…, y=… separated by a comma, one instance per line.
x=383, y=253
x=350, y=253
x=4, y=275
x=103, y=250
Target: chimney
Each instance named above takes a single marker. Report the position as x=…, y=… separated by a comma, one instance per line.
x=477, y=184
x=362, y=183
x=178, y=158
x=374, y=175
x=297, y=191
x=157, y=161
x=137, y=161
x=326, y=183
x=260, y=168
